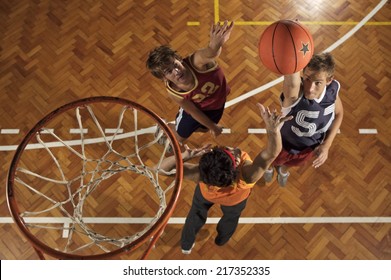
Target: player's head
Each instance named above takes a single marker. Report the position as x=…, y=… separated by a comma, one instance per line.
x=219, y=167
x=162, y=59
x=318, y=73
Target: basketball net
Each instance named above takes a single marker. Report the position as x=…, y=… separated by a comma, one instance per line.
x=65, y=195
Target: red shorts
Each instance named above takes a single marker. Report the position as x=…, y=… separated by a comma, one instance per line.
x=287, y=159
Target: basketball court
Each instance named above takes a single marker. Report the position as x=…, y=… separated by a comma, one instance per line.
x=56, y=53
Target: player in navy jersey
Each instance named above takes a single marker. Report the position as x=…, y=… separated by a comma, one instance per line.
x=317, y=112
x=196, y=83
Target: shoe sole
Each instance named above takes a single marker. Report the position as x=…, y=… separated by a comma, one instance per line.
x=188, y=252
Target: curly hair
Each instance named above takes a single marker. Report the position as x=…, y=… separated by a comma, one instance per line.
x=161, y=58
x=216, y=169
x=322, y=62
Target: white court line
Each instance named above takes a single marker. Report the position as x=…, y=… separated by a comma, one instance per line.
x=78, y=142
x=65, y=232
x=367, y=131
x=78, y=131
x=131, y=134
x=277, y=81
x=256, y=131
x=181, y=220
x=242, y=220
x=329, y=49
x=253, y=92
x=47, y=131
x=9, y=131
x=113, y=130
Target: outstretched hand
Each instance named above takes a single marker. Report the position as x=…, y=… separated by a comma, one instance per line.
x=192, y=153
x=272, y=120
x=216, y=131
x=219, y=34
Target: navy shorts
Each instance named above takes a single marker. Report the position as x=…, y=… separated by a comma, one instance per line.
x=185, y=125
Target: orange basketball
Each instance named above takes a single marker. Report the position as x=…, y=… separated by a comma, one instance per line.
x=286, y=47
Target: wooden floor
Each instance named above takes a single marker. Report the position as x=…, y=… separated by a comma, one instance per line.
x=55, y=52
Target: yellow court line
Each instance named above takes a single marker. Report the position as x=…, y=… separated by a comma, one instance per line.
x=379, y=23
x=216, y=12
x=216, y=5
x=344, y=23
x=267, y=23
x=193, y=23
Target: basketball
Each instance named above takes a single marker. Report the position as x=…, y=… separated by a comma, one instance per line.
x=286, y=47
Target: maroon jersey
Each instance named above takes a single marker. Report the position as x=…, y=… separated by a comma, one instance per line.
x=210, y=90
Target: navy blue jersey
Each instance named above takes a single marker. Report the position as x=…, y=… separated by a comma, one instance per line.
x=312, y=119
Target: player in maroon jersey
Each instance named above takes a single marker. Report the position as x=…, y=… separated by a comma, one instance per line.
x=196, y=83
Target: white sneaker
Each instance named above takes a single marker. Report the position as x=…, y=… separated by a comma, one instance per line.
x=268, y=175
x=187, y=252
x=160, y=136
x=282, y=178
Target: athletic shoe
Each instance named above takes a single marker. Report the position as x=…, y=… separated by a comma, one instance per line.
x=282, y=179
x=187, y=252
x=162, y=138
x=219, y=241
x=268, y=175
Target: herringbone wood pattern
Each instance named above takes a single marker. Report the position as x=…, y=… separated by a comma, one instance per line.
x=54, y=52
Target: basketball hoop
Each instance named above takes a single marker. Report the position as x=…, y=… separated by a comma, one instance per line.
x=79, y=188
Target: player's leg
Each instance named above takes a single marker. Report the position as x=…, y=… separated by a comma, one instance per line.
x=179, y=122
x=186, y=125
x=282, y=175
x=179, y=138
x=293, y=158
x=195, y=220
x=229, y=222
x=279, y=161
x=268, y=175
x=213, y=115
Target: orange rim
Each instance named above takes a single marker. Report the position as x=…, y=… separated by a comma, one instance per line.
x=153, y=232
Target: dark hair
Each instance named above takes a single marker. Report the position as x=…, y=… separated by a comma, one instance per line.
x=161, y=58
x=216, y=169
x=322, y=62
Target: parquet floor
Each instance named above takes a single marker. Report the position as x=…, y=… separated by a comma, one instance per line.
x=55, y=52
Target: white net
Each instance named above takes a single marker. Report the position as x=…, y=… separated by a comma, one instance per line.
x=93, y=189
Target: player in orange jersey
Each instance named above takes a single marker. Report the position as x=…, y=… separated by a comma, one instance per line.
x=224, y=176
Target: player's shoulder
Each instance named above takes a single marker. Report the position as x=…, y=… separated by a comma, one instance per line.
x=202, y=65
x=334, y=85
x=333, y=89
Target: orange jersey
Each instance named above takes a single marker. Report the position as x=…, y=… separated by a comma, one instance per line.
x=231, y=195
x=210, y=90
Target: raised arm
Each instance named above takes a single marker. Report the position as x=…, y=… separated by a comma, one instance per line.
x=219, y=34
x=252, y=172
x=291, y=89
x=190, y=170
